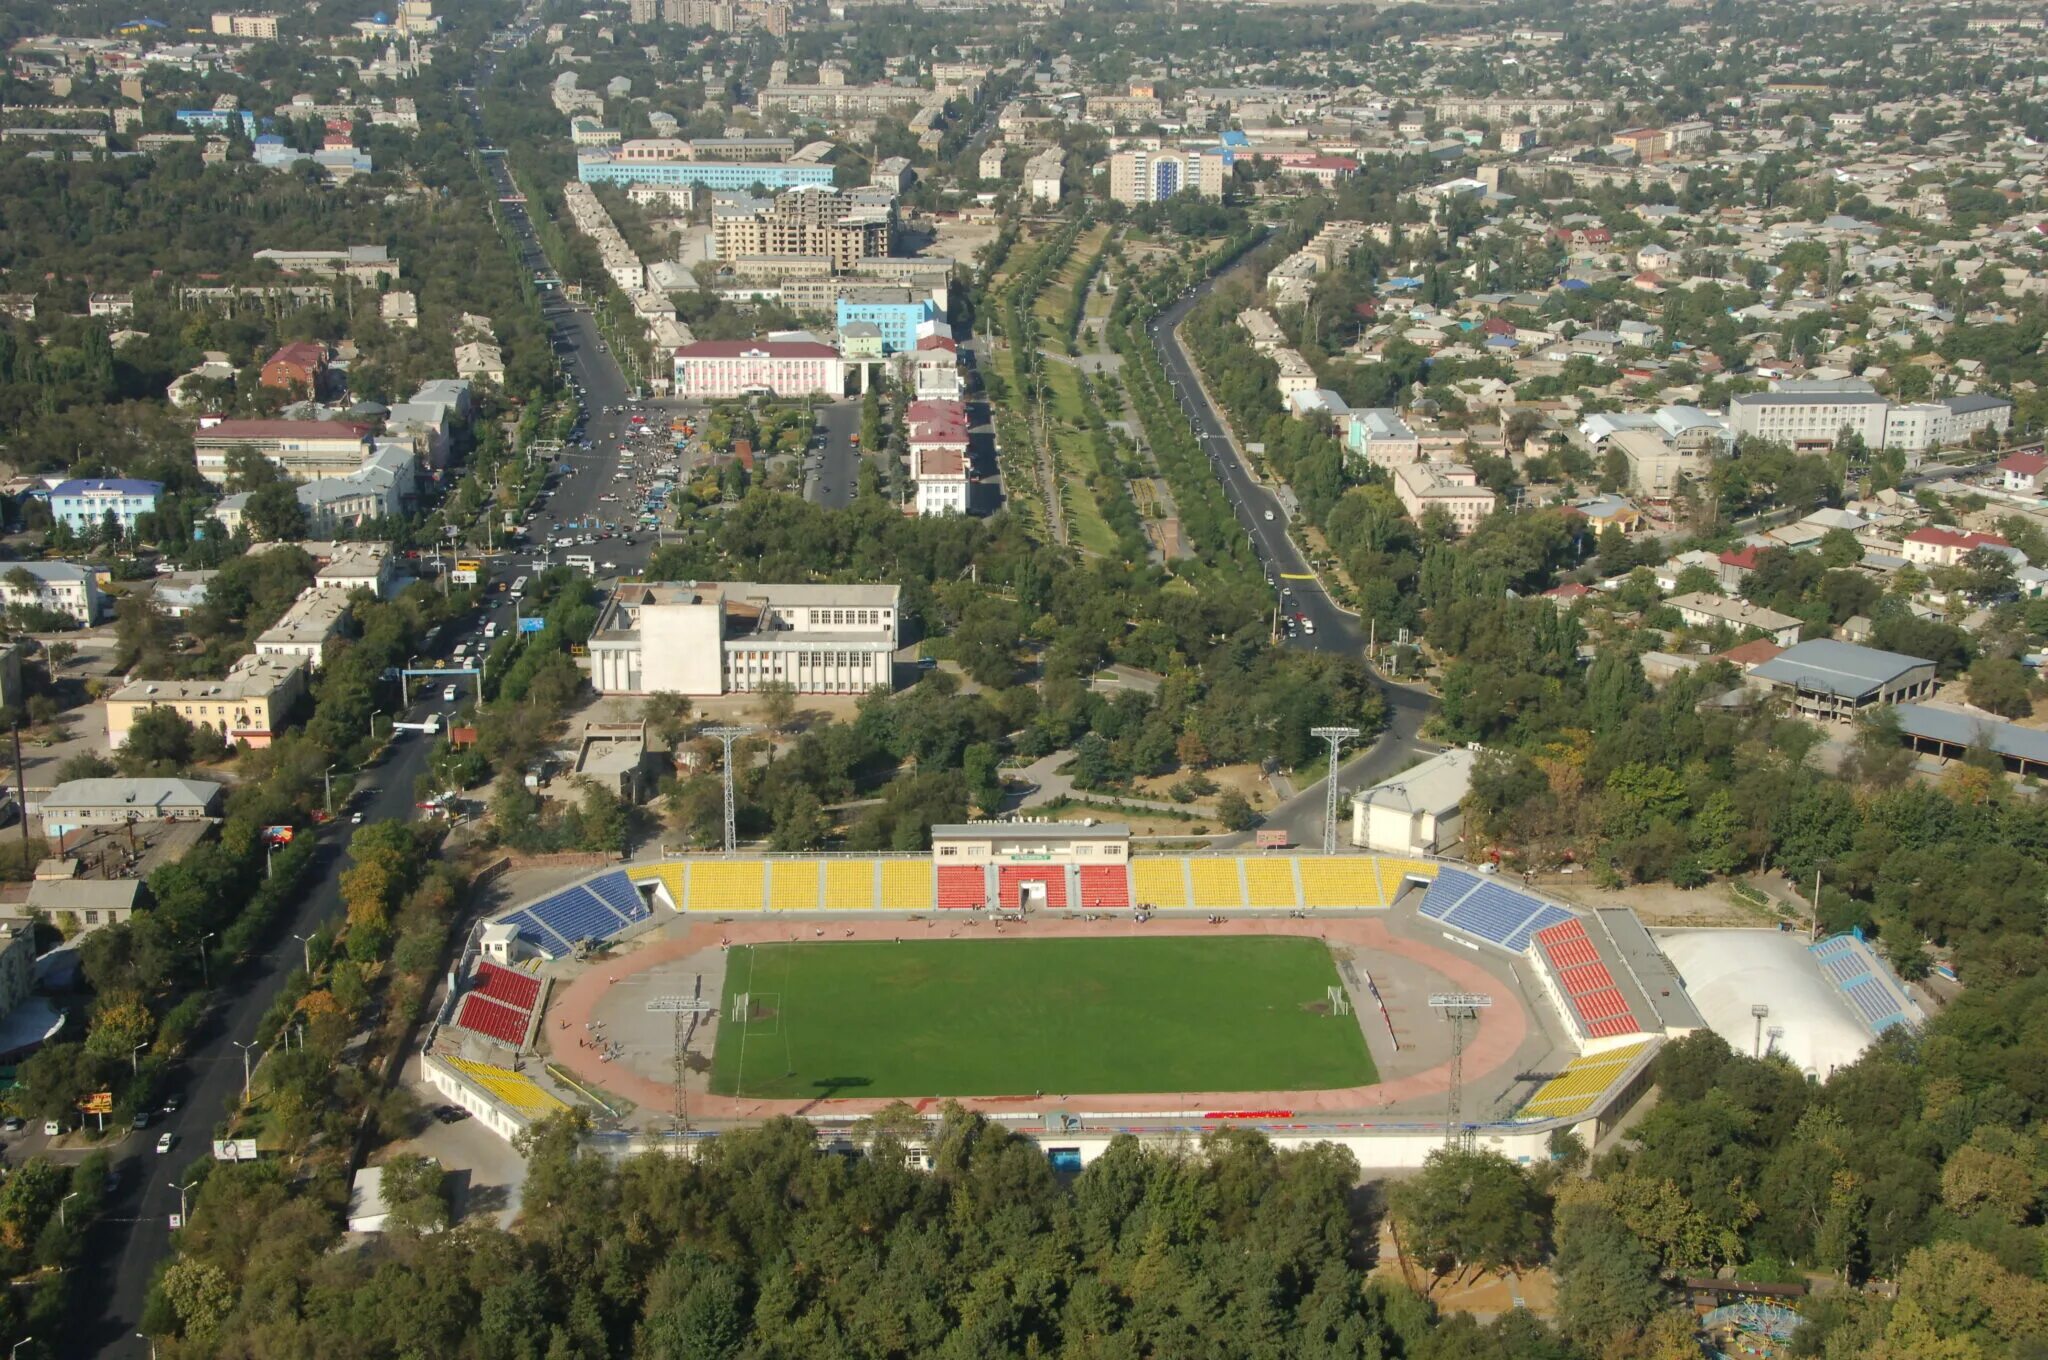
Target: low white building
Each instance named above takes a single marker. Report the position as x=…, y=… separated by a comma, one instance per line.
x=702, y=638
x=60, y=586
x=1419, y=811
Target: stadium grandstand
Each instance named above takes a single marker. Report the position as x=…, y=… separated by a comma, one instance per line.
x=1873, y=990
x=1586, y=1081
x=498, y=1004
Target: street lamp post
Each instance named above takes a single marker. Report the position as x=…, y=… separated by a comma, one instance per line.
x=327, y=782
x=62, y=1222
x=306, y=945
x=245, y=1064
x=16, y=1349
x=181, y=1189
x=205, y=969
x=133, y=1066
x=140, y=1336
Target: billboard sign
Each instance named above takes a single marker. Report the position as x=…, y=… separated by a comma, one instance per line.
x=278, y=835
x=99, y=1102
x=532, y=625
x=234, y=1149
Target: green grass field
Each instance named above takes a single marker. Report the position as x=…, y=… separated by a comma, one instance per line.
x=1013, y=1017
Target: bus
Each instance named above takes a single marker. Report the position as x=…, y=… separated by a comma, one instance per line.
x=518, y=587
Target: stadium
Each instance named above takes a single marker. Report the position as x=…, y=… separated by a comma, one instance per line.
x=1044, y=974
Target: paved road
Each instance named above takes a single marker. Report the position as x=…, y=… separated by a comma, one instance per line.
x=134, y=1236
x=1265, y=520
x=125, y=1246
x=837, y=475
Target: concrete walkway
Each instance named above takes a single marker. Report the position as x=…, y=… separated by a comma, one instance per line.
x=1048, y=785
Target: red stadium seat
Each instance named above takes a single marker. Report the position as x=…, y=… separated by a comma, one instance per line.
x=1105, y=886
x=963, y=886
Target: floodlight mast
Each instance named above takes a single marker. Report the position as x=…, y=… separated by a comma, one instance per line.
x=727, y=736
x=1458, y=1008
x=1336, y=736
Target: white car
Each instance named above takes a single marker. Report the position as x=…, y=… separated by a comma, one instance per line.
x=447, y=694
x=164, y=1142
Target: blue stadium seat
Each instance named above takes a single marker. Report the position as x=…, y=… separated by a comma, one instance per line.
x=618, y=893
x=1876, y=1003
x=1450, y=886
x=1490, y=912
x=575, y=915
x=541, y=937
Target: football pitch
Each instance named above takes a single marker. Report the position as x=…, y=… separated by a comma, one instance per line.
x=1019, y=1017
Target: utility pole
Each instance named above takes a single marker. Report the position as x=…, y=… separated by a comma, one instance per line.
x=1758, y=1011
x=1458, y=1008
x=727, y=736
x=245, y=1065
x=1336, y=736
x=327, y=784
x=20, y=791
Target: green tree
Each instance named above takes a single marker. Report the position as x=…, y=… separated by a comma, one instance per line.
x=1468, y=1209
x=160, y=741
x=2001, y=685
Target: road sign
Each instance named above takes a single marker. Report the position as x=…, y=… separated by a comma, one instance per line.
x=177, y=1222
x=532, y=625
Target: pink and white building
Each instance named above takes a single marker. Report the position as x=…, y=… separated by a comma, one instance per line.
x=937, y=434
x=721, y=370
x=1938, y=547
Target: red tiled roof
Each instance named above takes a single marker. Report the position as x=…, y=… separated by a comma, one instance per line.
x=1955, y=538
x=1744, y=558
x=1748, y=654
x=939, y=461
x=938, y=342
x=2025, y=464
x=287, y=429
x=773, y=349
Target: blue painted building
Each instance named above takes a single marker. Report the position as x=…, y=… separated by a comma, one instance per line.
x=738, y=176
x=898, y=321
x=85, y=502
x=216, y=120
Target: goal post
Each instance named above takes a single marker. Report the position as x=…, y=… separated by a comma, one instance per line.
x=742, y=1002
x=1339, y=1000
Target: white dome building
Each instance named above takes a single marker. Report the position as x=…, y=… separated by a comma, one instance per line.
x=1727, y=972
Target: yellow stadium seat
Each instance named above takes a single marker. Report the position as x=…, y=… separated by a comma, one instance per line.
x=1579, y=1087
x=514, y=1089
x=907, y=885
x=1217, y=886
x=1394, y=871
x=669, y=874
x=793, y=885
x=1270, y=882
x=725, y=885
x=1160, y=882
x=849, y=885
x=1342, y=881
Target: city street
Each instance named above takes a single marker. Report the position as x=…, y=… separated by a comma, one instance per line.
x=1299, y=589
x=127, y=1244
